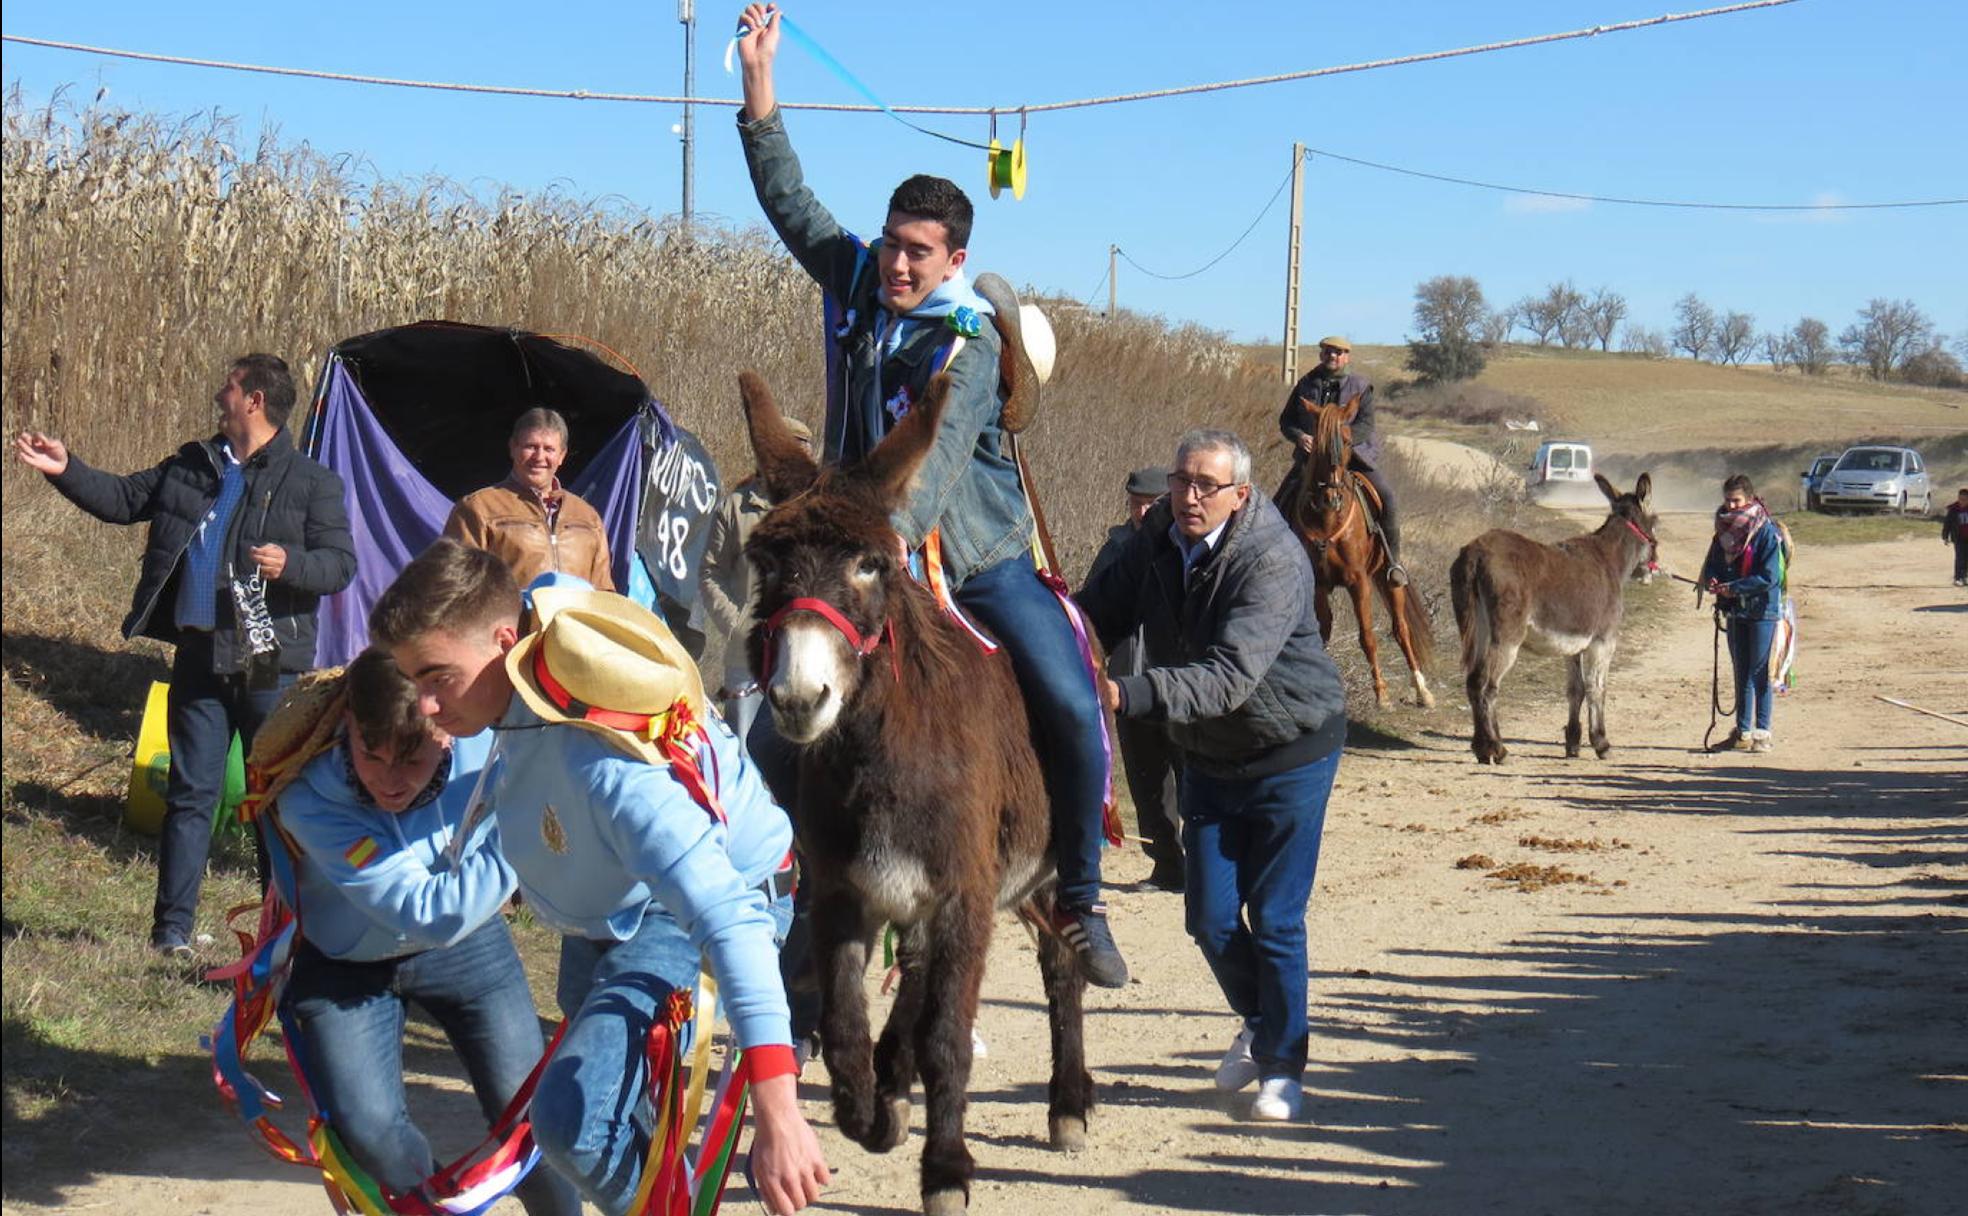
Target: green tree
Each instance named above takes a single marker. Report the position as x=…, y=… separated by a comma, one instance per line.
x=1449, y=316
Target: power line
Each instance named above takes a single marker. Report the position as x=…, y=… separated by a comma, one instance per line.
x=1638, y=202
x=1227, y=252
x=1040, y=108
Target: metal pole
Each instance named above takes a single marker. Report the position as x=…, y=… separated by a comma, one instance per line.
x=1113, y=285
x=687, y=15
x=1292, y=263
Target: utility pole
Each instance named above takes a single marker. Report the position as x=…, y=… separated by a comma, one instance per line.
x=687, y=15
x=1292, y=262
x=1113, y=285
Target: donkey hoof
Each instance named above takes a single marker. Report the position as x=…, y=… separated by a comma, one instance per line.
x=855, y=1119
x=1602, y=750
x=890, y=1128
x=950, y=1202
x=1068, y=1132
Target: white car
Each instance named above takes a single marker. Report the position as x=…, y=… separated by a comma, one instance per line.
x=1560, y=464
x=1879, y=478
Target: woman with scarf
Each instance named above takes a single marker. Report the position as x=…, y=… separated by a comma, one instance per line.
x=1744, y=572
x=392, y=914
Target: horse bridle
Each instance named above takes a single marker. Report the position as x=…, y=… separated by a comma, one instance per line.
x=863, y=646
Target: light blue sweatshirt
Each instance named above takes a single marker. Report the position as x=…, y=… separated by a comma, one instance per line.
x=376, y=884
x=597, y=835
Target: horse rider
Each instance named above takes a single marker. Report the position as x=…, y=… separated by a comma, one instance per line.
x=1330, y=383
x=907, y=312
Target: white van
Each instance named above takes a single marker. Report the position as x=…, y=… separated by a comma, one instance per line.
x=1559, y=464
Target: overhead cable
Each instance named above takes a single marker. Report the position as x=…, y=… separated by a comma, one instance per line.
x=1039, y=108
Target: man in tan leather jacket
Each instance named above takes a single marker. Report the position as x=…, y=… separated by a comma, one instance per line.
x=528, y=521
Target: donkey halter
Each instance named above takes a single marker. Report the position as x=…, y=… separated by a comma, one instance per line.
x=862, y=646
x=1653, y=546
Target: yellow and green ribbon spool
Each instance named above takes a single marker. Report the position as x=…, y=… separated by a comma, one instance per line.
x=1007, y=167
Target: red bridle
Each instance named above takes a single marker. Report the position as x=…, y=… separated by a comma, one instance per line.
x=862, y=646
x=1653, y=546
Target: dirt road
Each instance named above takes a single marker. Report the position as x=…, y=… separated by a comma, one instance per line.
x=1745, y=992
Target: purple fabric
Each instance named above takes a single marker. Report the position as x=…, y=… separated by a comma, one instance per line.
x=612, y=484
x=393, y=513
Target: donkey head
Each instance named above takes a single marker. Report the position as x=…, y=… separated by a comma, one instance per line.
x=1636, y=513
x=829, y=564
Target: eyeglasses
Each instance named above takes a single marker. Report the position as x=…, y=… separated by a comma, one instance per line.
x=1203, y=488
x=1330, y=350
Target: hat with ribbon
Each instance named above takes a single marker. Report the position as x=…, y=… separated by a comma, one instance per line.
x=1029, y=349
x=605, y=663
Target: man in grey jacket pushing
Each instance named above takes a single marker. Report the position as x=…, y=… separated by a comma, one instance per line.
x=1222, y=592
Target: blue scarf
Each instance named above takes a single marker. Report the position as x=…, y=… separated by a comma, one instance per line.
x=948, y=297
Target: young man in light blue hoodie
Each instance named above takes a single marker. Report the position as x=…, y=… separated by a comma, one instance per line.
x=390, y=918
x=907, y=313
x=636, y=827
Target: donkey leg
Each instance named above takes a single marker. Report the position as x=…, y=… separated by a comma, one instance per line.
x=1574, y=698
x=959, y=935
x=842, y=935
x=1070, y=1092
x=895, y=1051
x=1598, y=657
x=1502, y=657
x=1362, y=593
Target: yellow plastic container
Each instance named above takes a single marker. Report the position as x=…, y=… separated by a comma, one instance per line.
x=150, y=769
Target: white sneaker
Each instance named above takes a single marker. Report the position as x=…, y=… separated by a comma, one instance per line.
x=1278, y=1100
x=1237, y=1069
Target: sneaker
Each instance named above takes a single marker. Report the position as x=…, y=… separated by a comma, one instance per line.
x=1732, y=741
x=171, y=945
x=1759, y=741
x=1237, y=1069
x=1085, y=930
x=1278, y=1100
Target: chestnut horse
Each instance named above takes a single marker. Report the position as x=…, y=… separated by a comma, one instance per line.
x=920, y=800
x=1562, y=600
x=1330, y=514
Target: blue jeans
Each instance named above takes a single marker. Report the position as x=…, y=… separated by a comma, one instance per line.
x=202, y=714
x=1749, y=653
x=351, y=1020
x=1028, y=620
x=1251, y=849
x=585, y=1113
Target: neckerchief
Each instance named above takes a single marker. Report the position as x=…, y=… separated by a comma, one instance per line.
x=1735, y=529
x=948, y=297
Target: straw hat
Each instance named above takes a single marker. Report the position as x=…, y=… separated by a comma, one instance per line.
x=305, y=724
x=1029, y=350
x=605, y=663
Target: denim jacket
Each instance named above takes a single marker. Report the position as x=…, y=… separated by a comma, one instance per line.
x=377, y=884
x=968, y=486
x=1756, y=585
x=597, y=836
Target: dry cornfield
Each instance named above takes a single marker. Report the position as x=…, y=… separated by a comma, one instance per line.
x=143, y=253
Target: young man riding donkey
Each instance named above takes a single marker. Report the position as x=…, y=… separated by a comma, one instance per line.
x=907, y=313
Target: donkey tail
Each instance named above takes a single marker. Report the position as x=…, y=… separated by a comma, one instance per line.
x=1466, y=594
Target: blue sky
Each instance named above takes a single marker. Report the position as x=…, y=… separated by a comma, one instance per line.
x=1823, y=100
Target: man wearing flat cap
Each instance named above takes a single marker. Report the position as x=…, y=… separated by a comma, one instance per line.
x=1331, y=383
x=1147, y=757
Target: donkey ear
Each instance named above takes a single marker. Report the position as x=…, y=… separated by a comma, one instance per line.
x=893, y=463
x=783, y=461
x=1606, y=487
x=1644, y=488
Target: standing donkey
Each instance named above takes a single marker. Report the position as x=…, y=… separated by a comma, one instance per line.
x=1563, y=600
x=920, y=799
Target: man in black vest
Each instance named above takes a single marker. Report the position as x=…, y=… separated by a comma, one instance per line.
x=246, y=536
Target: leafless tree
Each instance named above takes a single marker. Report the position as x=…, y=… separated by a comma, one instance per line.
x=1886, y=335
x=1694, y=326
x=1639, y=340
x=1535, y=316
x=1810, y=346
x=1735, y=337
x=1776, y=350
x=1604, y=311
x=1496, y=327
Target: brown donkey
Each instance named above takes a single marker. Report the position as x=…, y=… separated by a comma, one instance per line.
x=1329, y=513
x=1563, y=600
x=920, y=799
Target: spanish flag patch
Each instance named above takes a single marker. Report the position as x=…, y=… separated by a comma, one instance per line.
x=362, y=852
